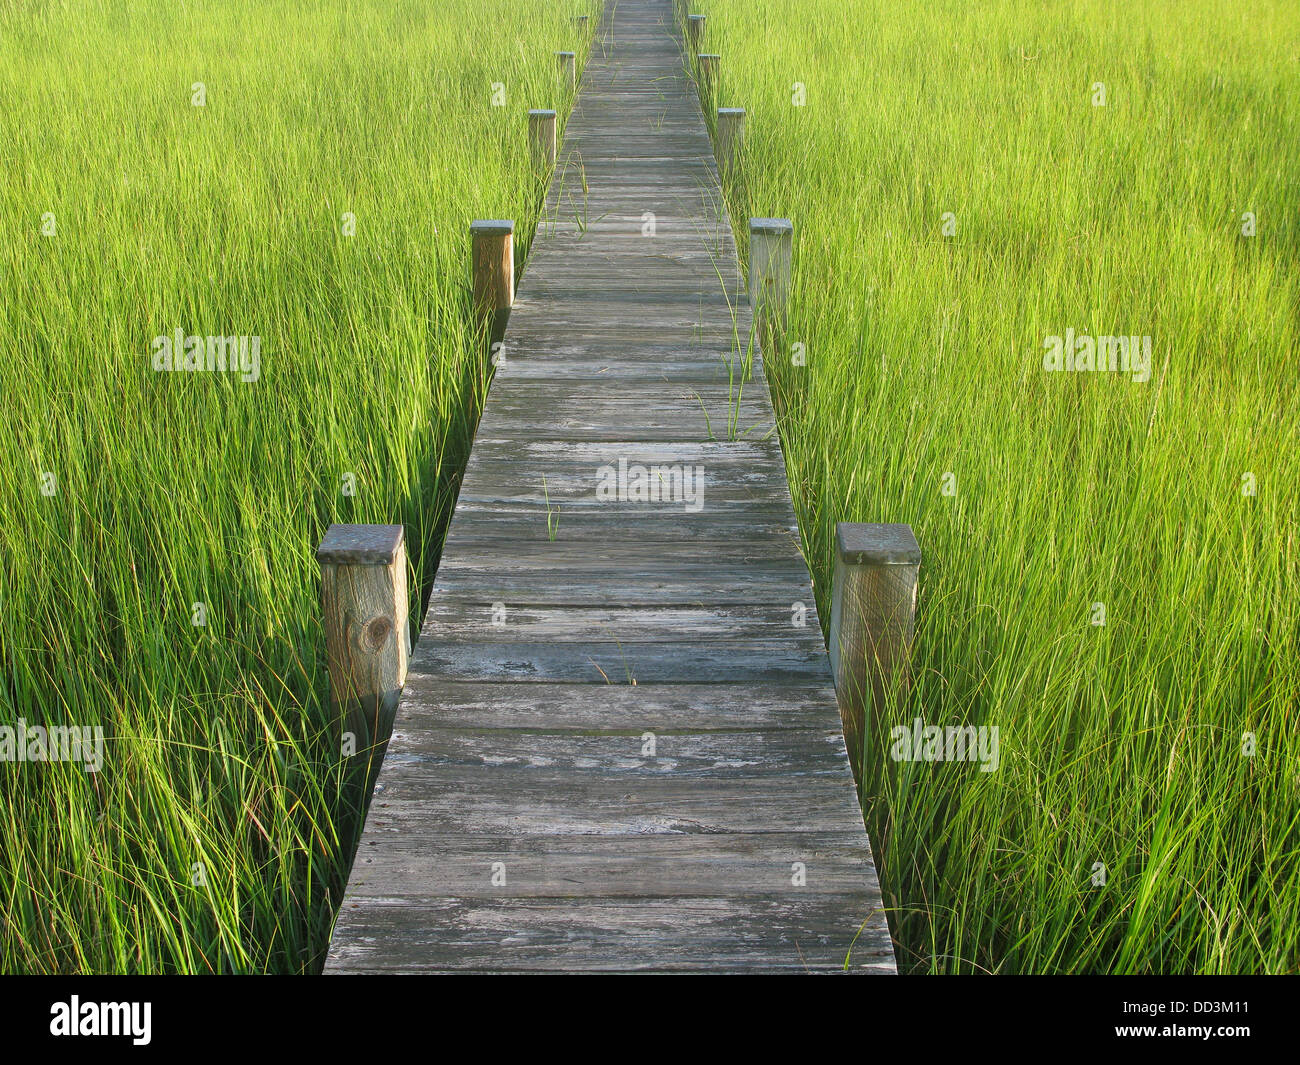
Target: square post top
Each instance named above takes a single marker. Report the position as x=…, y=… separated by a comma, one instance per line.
x=771, y=227
x=492, y=227
x=360, y=545
x=871, y=544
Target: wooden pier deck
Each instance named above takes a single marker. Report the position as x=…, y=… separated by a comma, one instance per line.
x=616, y=750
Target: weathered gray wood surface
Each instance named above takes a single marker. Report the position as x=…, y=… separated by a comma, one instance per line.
x=365, y=612
x=522, y=737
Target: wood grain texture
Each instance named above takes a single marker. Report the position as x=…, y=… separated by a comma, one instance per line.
x=492, y=254
x=619, y=748
x=873, y=612
x=365, y=612
x=541, y=139
x=568, y=69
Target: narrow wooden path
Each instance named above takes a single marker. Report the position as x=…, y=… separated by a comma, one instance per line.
x=616, y=750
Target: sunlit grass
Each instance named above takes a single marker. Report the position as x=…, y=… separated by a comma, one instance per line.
x=218, y=833
x=1121, y=744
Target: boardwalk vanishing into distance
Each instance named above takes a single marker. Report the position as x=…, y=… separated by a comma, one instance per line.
x=617, y=750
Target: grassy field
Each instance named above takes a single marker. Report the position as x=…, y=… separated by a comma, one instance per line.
x=966, y=182
x=299, y=173
x=1160, y=744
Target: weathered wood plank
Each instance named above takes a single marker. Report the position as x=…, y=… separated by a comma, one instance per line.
x=579, y=759
x=808, y=933
x=434, y=702
x=610, y=661
x=480, y=586
x=684, y=865
x=618, y=810
x=458, y=620
x=629, y=522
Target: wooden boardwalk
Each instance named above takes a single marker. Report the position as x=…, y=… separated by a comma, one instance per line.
x=616, y=750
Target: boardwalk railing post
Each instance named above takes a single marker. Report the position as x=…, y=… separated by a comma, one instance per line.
x=541, y=140
x=731, y=138
x=873, y=611
x=493, y=259
x=583, y=22
x=694, y=30
x=708, y=75
x=770, y=244
x=364, y=606
x=568, y=69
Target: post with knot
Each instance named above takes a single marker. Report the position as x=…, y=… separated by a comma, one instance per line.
x=364, y=605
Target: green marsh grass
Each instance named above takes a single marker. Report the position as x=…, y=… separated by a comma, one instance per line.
x=1121, y=744
x=217, y=835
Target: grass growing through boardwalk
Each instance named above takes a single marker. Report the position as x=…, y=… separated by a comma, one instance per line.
x=216, y=830
x=1123, y=744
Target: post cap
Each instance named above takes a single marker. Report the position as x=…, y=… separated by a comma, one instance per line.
x=540, y=112
x=566, y=55
x=731, y=111
x=697, y=18
x=707, y=55
x=492, y=227
x=360, y=545
x=870, y=544
x=771, y=227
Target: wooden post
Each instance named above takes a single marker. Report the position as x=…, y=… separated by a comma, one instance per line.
x=770, y=242
x=493, y=258
x=694, y=30
x=541, y=140
x=708, y=75
x=568, y=69
x=364, y=606
x=873, y=611
x=731, y=137
x=583, y=22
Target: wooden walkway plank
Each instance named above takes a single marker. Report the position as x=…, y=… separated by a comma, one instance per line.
x=619, y=748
